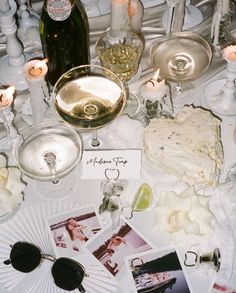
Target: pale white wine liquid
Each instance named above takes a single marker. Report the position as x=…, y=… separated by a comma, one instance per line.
x=122, y=59
x=89, y=102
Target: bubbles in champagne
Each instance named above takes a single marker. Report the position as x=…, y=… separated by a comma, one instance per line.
x=122, y=59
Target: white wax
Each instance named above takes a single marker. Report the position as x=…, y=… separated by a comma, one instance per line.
x=153, y=90
x=36, y=82
x=119, y=18
x=136, y=11
x=5, y=99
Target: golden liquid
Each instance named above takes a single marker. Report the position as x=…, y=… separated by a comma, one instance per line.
x=122, y=59
x=89, y=102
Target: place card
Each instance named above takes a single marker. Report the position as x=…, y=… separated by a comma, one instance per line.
x=111, y=164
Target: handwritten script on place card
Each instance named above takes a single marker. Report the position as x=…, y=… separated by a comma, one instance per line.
x=111, y=164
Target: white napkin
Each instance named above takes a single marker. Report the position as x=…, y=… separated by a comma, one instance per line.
x=123, y=133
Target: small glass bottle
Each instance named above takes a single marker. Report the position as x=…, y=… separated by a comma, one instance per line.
x=120, y=49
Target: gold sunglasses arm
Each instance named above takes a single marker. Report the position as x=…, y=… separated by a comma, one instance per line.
x=48, y=257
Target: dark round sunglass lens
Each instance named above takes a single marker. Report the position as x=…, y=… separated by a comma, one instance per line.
x=67, y=274
x=25, y=257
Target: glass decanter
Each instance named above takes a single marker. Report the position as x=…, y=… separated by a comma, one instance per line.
x=120, y=49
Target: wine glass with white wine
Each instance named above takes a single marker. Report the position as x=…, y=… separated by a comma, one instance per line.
x=182, y=57
x=89, y=97
x=47, y=153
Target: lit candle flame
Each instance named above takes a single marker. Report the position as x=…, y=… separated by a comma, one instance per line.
x=154, y=83
x=156, y=75
x=37, y=70
x=41, y=63
x=229, y=53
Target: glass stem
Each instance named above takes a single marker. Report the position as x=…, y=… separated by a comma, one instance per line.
x=179, y=88
x=95, y=142
x=5, y=122
x=50, y=159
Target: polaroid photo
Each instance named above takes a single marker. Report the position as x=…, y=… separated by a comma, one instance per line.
x=110, y=246
x=70, y=230
x=157, y=271
x=220, y=288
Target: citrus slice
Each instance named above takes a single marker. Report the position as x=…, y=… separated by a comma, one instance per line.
x=143, y=198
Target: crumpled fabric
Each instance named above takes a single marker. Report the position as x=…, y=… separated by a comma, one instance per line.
x=185, y=214
x=11, y=187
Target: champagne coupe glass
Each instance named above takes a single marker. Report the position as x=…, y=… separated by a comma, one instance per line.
x=48, y=152
x=181, y=57
x=89, y=97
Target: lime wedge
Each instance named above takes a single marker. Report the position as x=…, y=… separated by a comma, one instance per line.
x=143, y=198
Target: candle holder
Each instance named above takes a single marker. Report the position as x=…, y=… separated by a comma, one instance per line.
x=11, y=65
x=211, y=258
x=6, y=114
x=35, y=71
x=28, y=28
x=181, y=16
x=221, y=94
x=156, y=98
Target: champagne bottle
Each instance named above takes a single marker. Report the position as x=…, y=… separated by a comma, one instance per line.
x=64, y=34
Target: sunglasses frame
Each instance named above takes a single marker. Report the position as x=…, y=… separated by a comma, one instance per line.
x=50, y=258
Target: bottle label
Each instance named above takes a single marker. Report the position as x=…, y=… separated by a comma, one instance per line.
x=59, y=10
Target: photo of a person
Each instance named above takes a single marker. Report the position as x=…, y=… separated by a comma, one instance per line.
x=111, y=247
x=71, y=230
x=220, y=288
x=158, y=271
x=78, y=233
x=118, y=248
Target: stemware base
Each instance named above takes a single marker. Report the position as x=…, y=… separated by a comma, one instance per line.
x=132, y=106
x=216, y=100
x=181, y=94
x=56, y=191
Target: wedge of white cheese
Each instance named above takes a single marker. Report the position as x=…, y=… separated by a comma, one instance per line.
x=187, y=146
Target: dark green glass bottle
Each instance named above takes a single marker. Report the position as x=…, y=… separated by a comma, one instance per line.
x=64, y=34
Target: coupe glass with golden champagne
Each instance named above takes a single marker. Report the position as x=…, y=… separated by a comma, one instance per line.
x=89, y=97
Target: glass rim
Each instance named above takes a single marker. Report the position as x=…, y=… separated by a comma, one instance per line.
x=40, y=127
x=88, y=66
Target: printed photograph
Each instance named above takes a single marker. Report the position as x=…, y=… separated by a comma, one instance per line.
x=111, y=247
x=218, y=288
x=69, y=231
x=157, y=271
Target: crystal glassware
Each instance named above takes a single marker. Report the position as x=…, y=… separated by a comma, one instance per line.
x=181, y=57
x=89, y=97
x=47, y=153
x=120, y=49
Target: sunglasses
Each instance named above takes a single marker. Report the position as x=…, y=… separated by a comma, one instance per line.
x=67, y=273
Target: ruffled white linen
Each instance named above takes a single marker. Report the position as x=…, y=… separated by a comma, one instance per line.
x=123, y=133
x=11, y=187
x=184, y=214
